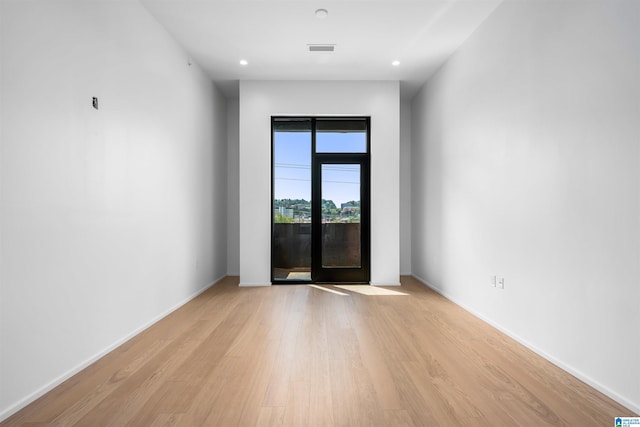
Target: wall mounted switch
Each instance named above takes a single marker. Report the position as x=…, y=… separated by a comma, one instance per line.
x=493, y=281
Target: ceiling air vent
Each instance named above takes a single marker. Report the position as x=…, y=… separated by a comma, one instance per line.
x=321, y=47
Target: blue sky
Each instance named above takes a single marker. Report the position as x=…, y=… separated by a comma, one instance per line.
x=293, y=166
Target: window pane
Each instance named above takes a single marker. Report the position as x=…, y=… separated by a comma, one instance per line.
x=341, y=136
x=341, y=215
x=292, y=200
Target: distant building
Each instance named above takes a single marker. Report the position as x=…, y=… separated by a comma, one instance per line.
x=349, y=209
x=285, y=212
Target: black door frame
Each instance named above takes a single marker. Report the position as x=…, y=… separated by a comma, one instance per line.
x=320, y=274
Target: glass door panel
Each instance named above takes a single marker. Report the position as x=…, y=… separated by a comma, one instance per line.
x=291, y=232
x=341, y=194
x=320, y=200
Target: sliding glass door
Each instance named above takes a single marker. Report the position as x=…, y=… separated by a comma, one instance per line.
x=320, y=215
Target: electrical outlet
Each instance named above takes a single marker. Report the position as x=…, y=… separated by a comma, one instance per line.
x=493, y=281
x=501, y=283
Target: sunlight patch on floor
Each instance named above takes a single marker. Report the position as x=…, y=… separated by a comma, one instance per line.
x=369, y=290
x=322, y=288
x=299, y=275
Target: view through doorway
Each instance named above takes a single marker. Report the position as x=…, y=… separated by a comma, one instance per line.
x=320, y=199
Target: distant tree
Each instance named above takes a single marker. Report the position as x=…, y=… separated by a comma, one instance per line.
x=328, y=204
x=281, y=219
x=288, y=203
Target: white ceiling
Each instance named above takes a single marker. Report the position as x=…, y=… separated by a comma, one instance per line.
x=272, y=35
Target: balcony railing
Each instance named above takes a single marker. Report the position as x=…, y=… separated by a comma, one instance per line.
x=292, y=245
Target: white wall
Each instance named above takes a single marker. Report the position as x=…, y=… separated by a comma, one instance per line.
x=233, y=190
x=405, y=187
x=259, y=100
x=109, y=218
x=526, y=149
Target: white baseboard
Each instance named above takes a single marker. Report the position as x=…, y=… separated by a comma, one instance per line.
x=6, y=413
x=387, y=284
x=634, y=406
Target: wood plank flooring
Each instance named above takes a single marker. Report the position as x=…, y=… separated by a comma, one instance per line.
x=298, y=356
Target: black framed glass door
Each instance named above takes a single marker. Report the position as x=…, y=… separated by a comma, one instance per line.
x=341, y=234
x=320, y=200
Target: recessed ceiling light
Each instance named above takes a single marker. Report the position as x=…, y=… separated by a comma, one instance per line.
x=322, y=13
x=244, y=62
x=395, y=63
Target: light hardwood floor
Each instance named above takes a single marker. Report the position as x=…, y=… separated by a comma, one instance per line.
x=299, y=355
